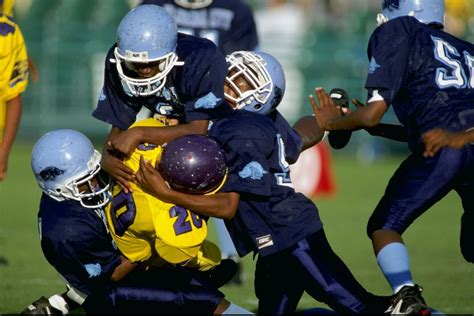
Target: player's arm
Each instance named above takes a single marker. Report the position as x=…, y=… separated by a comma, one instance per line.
x=124, y=268
x=222, y=204
x=12, y=121
x=438, y=138
x=126, y=141
x=330, y=118
x=310, y=133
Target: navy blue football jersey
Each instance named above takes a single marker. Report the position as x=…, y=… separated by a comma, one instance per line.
x=194, y=91
x=425, y=74
x=76, y=243
x=271, y=215
x=229, y=24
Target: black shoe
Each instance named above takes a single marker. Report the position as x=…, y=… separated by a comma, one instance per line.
x=222, y=273
x=41, y=307
x=408, y=301
x=339, y=139
x=238, y=278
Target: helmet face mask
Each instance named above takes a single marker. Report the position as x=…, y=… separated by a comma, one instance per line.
x=255, y=81
x=425, y=11
x=193, y=4
x=145, y=52
x=66, y=167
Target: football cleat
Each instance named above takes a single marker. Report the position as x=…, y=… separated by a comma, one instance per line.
x=339, y=139
x=408, y=301
x=41, y=306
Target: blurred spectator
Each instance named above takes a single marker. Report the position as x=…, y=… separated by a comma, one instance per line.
x=13, y=81
x=458, y=15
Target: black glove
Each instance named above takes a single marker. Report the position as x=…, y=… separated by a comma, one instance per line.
x=339, y=139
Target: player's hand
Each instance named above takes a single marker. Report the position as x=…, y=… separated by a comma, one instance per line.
x=326, y=111
x=3, y=164
x=125, y=142
x=438, y=138
x=151, y=181
x=115, y=167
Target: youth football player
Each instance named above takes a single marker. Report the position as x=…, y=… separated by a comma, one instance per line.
x=263, y=213
x=231, y=26
x=143, y=228
x=13, y=82
x=426, y=75
x=169, y=73
x=75, y=240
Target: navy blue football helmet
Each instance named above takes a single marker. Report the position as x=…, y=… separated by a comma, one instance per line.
x=146, y=37
x=425, y=11
x=265, y=76
x=193, y=164
x=193, y=4
x=66, y=166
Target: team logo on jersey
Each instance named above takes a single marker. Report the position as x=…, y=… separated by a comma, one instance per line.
x=102, y=95
x=252, y=170
x=391, y=5
x=93, y=269
x=6, y=29
x=373, y=66
x=264, y=241
x=51, y=173
x=208, y=101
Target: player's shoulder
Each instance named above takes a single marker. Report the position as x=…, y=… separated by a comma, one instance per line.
x=189, y=47
x=244, y=124
x=398, y=27
x=237, y=6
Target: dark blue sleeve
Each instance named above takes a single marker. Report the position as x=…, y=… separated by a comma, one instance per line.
x=114, y=106
x=208, y=92
x=388, y=52
x=247, y=148
x=243, y=31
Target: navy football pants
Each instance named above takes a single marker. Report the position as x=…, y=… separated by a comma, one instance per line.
x=421, y=182
x=311, y=266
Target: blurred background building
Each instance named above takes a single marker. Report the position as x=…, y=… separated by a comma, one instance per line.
x=319, y=42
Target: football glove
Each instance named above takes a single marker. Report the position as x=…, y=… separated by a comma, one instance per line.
x=339, y=139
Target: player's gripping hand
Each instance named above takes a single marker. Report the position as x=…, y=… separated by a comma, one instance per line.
x=326, y=111
x=438, y=138
x=41, y=306
x=151, y=181
x=125, y=142
x=115, y=167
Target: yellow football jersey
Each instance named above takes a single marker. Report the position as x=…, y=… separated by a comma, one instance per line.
x=13, y=64
x=147, y=229
x=6, y=7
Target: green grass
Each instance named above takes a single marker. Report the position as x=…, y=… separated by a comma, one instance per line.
x=433, y=240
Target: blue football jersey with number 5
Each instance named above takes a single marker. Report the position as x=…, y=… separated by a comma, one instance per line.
x=271, y=215
x=426, y=74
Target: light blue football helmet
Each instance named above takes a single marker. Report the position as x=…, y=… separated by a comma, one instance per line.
x=264, y=73
x=66, y=164
x=193, y=4
x=425, y=11
x=147, y=34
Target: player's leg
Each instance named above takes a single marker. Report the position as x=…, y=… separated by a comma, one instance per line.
x=327, y=279
x=275, y=286
x=228, y=249
x=465, y=190
x=416, y=185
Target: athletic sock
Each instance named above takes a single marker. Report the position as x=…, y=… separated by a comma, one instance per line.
x=394, y=262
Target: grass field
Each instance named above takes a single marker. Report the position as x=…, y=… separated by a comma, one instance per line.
x=433, y=240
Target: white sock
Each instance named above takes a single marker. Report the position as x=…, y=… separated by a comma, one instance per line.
x=58, y=302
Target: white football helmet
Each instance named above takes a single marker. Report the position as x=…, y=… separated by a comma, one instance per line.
x=263, y=73
x=193, y=4
x=146, y=39
x=66, y=166
x=425, y=11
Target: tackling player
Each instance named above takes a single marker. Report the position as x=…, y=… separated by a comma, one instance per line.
x=426, y=75
x=171, y=74
x=263, y=212
x=75, y=240
x=231, y=26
